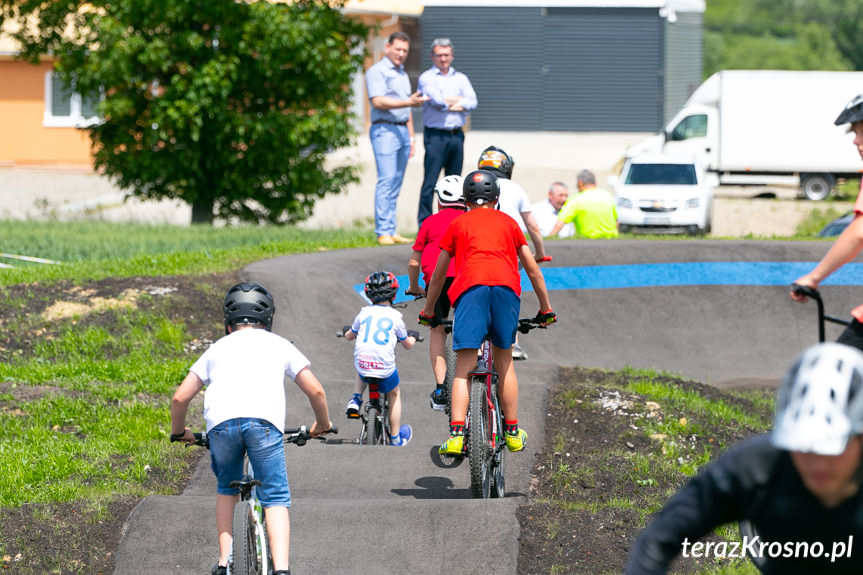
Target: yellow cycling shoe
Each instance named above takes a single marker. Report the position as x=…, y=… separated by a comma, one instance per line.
x=516, y=442
x=453, y=446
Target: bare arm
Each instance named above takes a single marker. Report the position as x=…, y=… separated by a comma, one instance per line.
x=558, y=225
x=414, y=273
x=309, y=384
x=534, y=274
x=846, y=248
x=436, y=283
x=390, y=103
x=535, y=235
x=187, y=391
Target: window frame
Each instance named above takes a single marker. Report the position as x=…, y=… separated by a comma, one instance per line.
x=75, y=119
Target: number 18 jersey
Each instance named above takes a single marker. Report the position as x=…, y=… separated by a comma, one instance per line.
x=379, y=328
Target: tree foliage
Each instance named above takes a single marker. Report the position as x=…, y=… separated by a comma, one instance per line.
x=783, y=34
x=227, y=105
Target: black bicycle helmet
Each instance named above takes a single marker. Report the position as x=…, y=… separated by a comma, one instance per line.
x=381, y=286
x=496, y=160
x=481, y=187
x=249, y=303
x=853, y=111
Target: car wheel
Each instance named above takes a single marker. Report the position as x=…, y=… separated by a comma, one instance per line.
x=623, y=228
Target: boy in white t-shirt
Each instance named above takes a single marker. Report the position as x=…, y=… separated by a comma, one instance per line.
x=377, y=329
x=244, y=410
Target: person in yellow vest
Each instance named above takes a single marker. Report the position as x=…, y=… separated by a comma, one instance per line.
x=592, y=210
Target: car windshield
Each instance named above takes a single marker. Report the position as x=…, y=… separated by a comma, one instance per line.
x=662, y=174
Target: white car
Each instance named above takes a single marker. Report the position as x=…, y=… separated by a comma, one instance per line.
x=664, y=194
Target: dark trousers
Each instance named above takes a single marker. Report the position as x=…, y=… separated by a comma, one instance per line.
x=852, y=335
x=444, y=151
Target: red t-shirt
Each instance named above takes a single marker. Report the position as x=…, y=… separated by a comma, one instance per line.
x=428, y=241
x=484, y=244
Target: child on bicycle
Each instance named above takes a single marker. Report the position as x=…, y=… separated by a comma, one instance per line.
x=850, y=242
x=377, y=329
x=486, y=245
x=244, y=410
x=426, y=250
x=798, y=487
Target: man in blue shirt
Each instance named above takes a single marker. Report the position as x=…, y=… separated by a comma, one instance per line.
x=392, y=131
x=451, y=98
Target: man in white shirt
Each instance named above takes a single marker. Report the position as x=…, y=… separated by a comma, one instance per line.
x=547, y=210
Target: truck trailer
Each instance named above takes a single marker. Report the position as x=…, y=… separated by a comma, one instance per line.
x=767, y=127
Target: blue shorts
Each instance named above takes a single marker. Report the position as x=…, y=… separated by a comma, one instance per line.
x=485, y=310
x=385, y=384
x=264, y=444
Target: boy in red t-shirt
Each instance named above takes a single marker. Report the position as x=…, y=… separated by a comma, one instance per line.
x=486, y=245
x=424, y=257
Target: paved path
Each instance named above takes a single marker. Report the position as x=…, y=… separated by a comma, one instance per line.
x=401, y=510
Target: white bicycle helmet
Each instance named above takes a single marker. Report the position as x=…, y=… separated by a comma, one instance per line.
x=449, y=191
x=820, y=404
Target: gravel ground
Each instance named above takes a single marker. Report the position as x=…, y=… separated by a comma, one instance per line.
x=73, y=192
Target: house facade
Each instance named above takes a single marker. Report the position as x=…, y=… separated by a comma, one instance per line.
x=43, y=118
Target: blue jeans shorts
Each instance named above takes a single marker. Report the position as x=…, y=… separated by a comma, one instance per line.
x=385, y=384
x=485, y=310
x=264, y=444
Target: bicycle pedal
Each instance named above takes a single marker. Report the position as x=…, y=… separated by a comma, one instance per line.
x=353, y=415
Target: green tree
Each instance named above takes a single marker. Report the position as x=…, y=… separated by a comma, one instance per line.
x=784, y=34
x=229, y=106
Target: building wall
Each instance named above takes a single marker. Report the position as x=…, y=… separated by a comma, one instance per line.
x=684, y=58
x=22, y=109
x=571, y=68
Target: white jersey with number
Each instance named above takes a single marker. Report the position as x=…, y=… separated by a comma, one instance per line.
x=244, y=373
x=379, y=328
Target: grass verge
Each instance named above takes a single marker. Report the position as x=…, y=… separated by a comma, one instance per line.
x=618, y=445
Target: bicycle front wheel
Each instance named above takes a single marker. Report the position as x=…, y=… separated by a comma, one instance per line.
x=479, y=448
x=498, y=481
x=450, y=357
x=245, y=548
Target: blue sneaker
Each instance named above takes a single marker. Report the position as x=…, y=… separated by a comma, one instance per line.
x=353, y=408
x=404, y=436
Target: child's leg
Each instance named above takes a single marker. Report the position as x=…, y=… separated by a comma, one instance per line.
x=279, y=531
x=465, y=362
x=395, y=410
x=507, y=383
x=437, y=345
x=224, y=519
x=359, y=386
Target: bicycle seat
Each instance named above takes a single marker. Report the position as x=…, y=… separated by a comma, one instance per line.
x=480, y=369
x=245, y=484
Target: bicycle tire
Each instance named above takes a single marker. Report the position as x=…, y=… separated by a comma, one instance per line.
x=374, y=427
x=244, y=545
x=450, y=357
x=479, y=451
x=498, y=481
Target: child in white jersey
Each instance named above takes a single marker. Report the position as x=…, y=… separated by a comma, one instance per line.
x=244, y=409
x=377, y=329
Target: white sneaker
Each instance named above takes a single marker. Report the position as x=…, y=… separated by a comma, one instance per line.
x=518, y=353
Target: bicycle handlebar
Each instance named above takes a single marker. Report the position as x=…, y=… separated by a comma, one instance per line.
x=815, y=295
x=299, y=436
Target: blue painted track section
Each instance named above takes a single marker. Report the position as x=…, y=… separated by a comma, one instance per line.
x=675, y=274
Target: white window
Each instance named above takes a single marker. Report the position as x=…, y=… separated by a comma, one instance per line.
x=64, y=108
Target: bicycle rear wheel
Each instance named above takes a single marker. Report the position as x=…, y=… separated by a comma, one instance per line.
x=374, y=427
x=245, y=548
x=479, y=449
